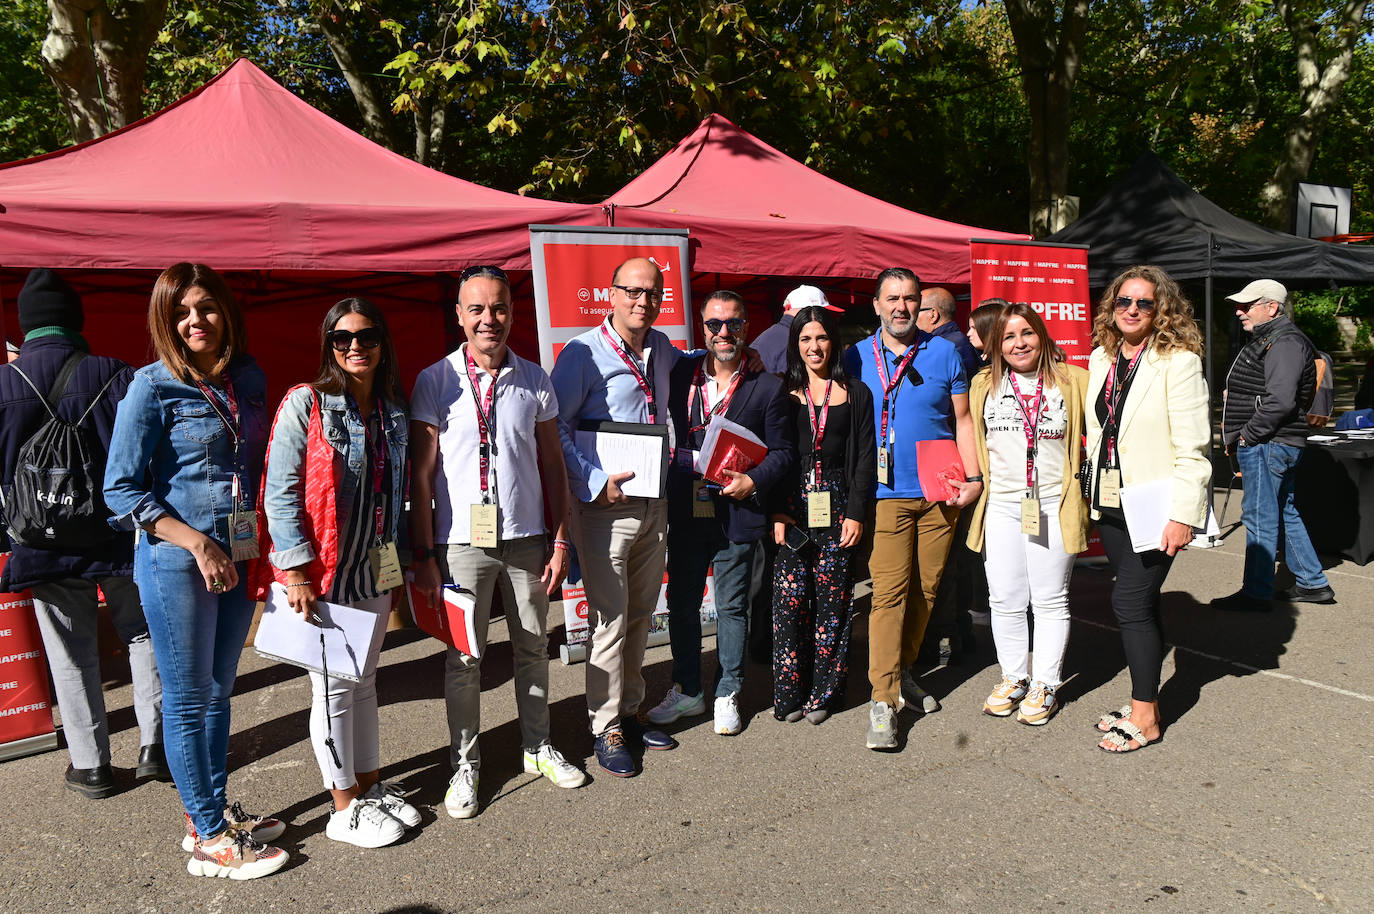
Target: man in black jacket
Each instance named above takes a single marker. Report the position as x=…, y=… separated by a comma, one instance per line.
x=717, y=526
x=1264, y=423
x=64, y=583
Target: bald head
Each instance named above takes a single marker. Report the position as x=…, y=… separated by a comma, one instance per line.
x=937, y=307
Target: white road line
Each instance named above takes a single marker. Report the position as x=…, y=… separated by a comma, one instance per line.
x=1244, y=666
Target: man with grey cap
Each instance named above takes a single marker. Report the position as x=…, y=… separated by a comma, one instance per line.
x=1264, y=423
x=771, y=344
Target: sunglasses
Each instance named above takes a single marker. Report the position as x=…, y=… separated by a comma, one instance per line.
x=734, y=325
x=342, y=340
x=489, y=271
x=1123, y=303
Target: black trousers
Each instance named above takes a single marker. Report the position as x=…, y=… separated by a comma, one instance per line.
x=1135, y=601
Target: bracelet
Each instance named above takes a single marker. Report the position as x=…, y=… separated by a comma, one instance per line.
x=301, y=584
x=978, y=478
x=562, y=544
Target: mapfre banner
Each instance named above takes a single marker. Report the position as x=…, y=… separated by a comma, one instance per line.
x=25, y=703
x=1051, y=278
x=572, y=268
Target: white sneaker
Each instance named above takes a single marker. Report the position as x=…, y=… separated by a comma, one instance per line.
x=549, y=762
x=461, y=798
x=727, y=715
x=675, y=704
x=912, y=694
x=363, y=823
x=391, y=800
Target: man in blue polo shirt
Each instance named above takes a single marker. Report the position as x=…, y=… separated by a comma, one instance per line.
x=920, y=393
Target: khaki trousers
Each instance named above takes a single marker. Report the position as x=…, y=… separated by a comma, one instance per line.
x=911, y=540
x=622, y=549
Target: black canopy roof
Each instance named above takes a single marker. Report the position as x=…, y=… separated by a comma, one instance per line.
x=1152, y=216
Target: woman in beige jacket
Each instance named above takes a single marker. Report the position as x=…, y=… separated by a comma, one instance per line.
x=1147, y=421
x=1031, y=519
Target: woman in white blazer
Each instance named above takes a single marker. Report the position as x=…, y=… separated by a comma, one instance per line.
x=1147, y=421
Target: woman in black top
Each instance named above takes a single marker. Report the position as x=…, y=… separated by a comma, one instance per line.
x=818, y=520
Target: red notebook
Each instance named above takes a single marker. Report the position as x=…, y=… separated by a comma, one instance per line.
x=454, y=623
x=729, y=447
x=937, y=463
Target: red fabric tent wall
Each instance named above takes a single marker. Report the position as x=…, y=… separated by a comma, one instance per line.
x=753, y=210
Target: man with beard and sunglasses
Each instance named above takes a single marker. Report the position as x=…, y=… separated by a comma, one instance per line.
x=717, y=526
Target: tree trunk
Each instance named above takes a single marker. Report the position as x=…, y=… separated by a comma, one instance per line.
x=342, y=38
x=1050, y=52
x=1319, y=91
x=96, y=53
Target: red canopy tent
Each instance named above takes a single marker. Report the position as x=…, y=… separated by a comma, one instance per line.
x=295, y=208
x=754, y=211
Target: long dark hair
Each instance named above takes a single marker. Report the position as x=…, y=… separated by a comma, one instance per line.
x=332, y=380
x=796, y=377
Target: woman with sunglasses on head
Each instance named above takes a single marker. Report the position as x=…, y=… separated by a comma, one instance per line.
x=1031, y=519
x=818, y=512
x=332, y=498
x=183, y=468
x=1147, y=421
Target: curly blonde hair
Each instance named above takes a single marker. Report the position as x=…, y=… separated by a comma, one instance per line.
x=1174, y=327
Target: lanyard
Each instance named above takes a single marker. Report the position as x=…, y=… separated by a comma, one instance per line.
x=1114, y=402
x=486, y=425
x=378, y=451
x=1031, y=422
x=632, y=362
x=817, y=429
x=699, y=389
x=890, y=385
x=233, y=424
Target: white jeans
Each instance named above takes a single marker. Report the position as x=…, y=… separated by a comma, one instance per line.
x=1023, y=569
x=349, y=710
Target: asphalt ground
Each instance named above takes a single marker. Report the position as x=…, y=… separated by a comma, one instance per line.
x=1260, y=797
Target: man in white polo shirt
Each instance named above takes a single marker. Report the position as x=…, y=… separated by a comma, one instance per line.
x=472, y=415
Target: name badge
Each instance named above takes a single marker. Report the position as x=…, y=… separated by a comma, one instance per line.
x=818, y=509
x=386, y=566
x=483, y=527
x=243, y=535
x=1109, y=488
x=884, y=466
x=703, y=505
x=1030, y=515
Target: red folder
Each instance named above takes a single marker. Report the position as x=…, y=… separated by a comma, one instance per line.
x=454, y=623
x=937, y=464
x=732, y=452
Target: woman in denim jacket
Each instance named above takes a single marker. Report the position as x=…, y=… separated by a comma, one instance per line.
x=185, y=457
x=333, y=499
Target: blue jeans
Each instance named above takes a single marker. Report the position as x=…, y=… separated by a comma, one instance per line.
x=1268, y=472
x=197, y=639
x=690, y=552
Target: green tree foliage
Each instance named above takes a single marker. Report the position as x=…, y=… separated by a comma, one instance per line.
x=31, y=119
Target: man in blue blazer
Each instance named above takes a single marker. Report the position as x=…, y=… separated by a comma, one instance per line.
x=717, y=526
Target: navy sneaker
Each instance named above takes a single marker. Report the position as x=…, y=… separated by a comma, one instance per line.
x=1299, y=594
x=649, y=739
x=612, y=755
x=1240, y=601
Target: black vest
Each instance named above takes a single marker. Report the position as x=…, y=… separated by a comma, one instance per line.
x=1245, y=389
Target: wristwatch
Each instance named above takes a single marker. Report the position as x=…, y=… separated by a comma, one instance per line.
x=420, y=553
x=977, y=478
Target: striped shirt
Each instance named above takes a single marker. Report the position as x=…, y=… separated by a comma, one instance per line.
x=353, y=581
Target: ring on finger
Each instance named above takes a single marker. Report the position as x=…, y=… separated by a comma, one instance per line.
x=217, y=586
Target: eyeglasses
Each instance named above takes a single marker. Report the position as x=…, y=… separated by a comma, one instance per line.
x=487, y=271
x=1246, y=308
x=733, y=324
x=1123, y=303
x=342, y=340
x=634, y=293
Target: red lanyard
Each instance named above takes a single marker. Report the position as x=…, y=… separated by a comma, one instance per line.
x=1030, y=421
x=378, y=451
x=632, y=363
x=817, y=429
x=890, y=384
x=486, y=424
x=1114, y=402
x=699, y=388
x=232, y=421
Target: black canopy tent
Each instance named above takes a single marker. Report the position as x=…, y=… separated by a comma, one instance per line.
x=1152, y=216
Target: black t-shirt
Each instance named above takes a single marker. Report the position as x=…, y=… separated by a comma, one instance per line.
x=1123, y=380
x=832, y=445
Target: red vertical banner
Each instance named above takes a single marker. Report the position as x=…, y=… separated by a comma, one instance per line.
x=1051, y=278
x=25, y=702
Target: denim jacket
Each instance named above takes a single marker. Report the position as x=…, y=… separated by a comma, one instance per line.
x=171, y=455
x=284, y=495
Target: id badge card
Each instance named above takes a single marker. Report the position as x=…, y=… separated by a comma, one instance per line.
x=243, y=535
x=818, y=509
x=1109, y=488
x=483, y=527
x=703, y=505
x=884, y=466
x=1030, y=515
x=386, y=566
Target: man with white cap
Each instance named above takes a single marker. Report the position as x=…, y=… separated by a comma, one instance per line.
x=1264, y=423
x=771, y=344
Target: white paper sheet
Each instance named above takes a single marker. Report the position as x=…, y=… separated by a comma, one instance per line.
x=1146, y=506
x=283, y=634
x=615, y=452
